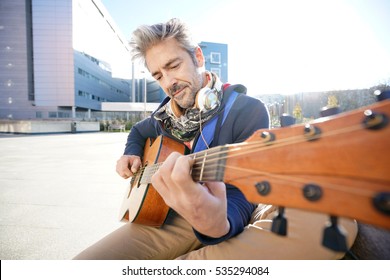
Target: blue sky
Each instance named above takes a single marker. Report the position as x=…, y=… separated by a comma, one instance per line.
x=282, y=46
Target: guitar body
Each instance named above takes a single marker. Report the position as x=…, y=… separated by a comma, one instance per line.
x=142, y=204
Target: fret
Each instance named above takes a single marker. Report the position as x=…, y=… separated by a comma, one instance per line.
x=209, y=164
x=202, y=168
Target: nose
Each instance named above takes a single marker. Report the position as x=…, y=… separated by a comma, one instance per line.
x=167, y=81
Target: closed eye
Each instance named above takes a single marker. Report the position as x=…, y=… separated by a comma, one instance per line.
x=173, y=64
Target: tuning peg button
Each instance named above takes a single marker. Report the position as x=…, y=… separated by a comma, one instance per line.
x=312, y=192
x=382, y=95
x=312, y=132
x=373, y=120
x=263, y=187
x=382, y=202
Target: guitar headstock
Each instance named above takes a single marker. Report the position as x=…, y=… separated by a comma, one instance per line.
x=337, y=165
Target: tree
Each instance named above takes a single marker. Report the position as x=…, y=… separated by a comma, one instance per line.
x=297, y=112
x=332, y=101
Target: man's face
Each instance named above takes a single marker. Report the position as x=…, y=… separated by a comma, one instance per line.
x=175, y=71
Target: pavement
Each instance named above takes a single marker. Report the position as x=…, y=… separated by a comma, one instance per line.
x=59, y=193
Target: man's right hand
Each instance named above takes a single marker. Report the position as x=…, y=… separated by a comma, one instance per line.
x=127, y=165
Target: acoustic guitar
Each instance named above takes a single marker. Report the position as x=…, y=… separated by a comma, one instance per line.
x=338, y=165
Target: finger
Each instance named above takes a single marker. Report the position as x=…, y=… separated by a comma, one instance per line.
x=122, y=167
x=161, y=179
x=217, y=189
x=125, y=173
x=181, y=171
x=135, y=165
x=168, y=165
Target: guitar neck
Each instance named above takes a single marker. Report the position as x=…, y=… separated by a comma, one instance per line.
x=209, y=165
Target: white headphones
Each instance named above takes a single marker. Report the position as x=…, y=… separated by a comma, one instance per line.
x=206, y=98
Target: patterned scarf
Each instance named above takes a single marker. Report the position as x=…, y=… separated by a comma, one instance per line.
x=187, y=125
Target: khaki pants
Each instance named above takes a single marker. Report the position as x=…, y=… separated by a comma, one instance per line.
x=176, y=240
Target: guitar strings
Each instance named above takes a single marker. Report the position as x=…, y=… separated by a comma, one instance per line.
x=259, y=146
x=216, y=154
x=292, y=179
x=244, y=148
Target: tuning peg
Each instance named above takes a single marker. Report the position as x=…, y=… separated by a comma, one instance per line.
x=333, y=238
x=279, y=223
x=382, y=95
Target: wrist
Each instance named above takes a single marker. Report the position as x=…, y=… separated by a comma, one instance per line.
x=217, y=230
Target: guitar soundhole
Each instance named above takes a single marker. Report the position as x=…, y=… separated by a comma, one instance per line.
x=382, y=202
x=312, y=192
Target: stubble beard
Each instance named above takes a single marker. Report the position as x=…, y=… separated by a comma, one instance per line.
x=187, y=98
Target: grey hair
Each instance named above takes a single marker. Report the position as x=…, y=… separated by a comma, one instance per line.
x=147, y=36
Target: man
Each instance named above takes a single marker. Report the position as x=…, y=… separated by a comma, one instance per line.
x=209, y=220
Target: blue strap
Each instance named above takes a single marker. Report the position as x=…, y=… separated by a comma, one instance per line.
x=209, y=128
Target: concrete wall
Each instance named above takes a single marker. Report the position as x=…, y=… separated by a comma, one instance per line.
x=35, y=127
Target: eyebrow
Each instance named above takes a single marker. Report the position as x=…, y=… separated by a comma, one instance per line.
x=167, y=65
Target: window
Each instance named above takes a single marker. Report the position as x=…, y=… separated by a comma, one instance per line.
x=216, y=71
x=63, y=115
x=215, y=57
x=52, y=114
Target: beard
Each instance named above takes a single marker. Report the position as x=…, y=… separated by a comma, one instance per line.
x=186, y=99
x=187, y=96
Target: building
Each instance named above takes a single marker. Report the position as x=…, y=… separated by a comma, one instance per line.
x=67, y=60
x=216, y=58
x=57, y=59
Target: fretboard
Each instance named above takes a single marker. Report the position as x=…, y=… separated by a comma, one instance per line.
x=209, y=165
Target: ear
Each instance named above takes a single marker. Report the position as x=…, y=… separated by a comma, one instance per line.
x=199, y=56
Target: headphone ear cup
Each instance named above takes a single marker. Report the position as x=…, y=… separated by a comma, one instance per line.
x=206, y=99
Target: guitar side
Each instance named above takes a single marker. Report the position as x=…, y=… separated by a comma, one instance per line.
x=142, y=204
